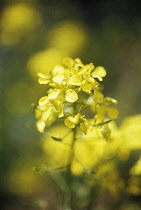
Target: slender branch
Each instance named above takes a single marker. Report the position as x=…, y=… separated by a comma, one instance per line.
x=85, y=108
x=74, y=130
x=45, y=170
x=74, y=138
x=103, y=123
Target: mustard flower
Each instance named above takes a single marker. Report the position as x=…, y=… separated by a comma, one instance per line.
x=75, y=86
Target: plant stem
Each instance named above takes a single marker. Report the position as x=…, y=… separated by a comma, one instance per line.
x=71, y=160
x=73, y=139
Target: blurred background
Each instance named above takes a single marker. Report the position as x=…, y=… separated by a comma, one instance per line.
x=35, y=35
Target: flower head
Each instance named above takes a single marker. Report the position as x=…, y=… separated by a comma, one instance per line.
x=76, y=86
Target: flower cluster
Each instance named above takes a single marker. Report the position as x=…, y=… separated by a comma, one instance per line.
x=73, y=88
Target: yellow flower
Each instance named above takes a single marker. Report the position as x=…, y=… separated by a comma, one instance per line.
x=68, y=62
x=101, y=107
x=71, y=95
x=71, y=122
x=53, y=94
x=86, y=87
x=40, y=124
x=68, y=86
x=58, y=74
x=47, y=112
x=84, y=125
x=59, y=107
x=105, y=131
x=68, y=95
x=13, y=29
x=75, y=80
x=99, y=72
x=43, y=78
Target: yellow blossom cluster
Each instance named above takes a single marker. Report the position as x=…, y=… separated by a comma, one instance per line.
x=102, y=162
x=72, y=88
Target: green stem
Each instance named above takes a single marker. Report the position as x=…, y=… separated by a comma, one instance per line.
x=73, y=140
x=71, y=158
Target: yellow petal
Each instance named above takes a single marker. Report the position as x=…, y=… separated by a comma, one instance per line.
x=136, y=169
x=76, y=168
x=84, y=125
x=98, y=77
x=43, y=101
x=61, y=111
x=72, y=121
x=69, y=62
x=111, y=100
x=40, y=126
x=77, y=66
x=43, y=76
x=58, y=79
x=84, y=128
x=53, y=94
x=75, y=80
x=112, y=112
x=78, y=61
x=105, y=131
x=58, y=70
x=99, y=71
x=38, y=113
x=51, y=119
x=59, y=107
x=98, y=118
x=85, y=69
x=43, y=79
x=71, y=95
x=86, y=87
x=98, y=97
x=76, y=118
x=46, y=114
x=69, y=122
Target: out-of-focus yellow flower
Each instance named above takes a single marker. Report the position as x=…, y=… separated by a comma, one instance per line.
x=87, y=154
x=134, y=185
x=44, y=60
x=131, y=131
x=136, y=169
x=126, y=139
x=23, y=182
x=115, y=144
x=69, y=37
x=110, y=180
x=16, y=21
x=82, y=158
x=66, y=39
x=58, y=152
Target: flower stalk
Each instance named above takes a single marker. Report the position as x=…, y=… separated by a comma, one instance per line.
x=73, y=89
